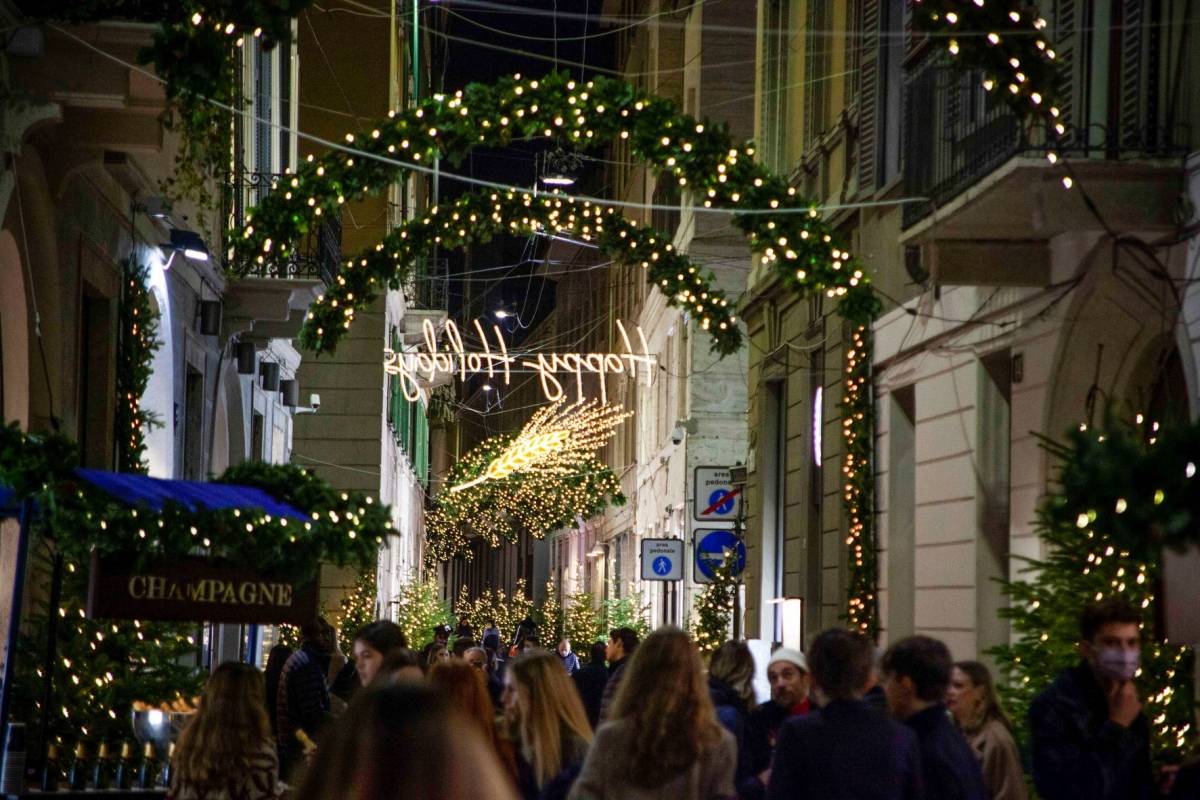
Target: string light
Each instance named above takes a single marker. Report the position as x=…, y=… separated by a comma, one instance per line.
x=556, y=438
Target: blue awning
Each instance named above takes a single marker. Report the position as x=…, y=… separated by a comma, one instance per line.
x=153, y=493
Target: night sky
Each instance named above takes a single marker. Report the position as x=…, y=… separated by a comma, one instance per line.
x=480, y=40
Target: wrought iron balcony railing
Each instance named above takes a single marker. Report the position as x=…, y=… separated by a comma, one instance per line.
x=955, y=134
x=317, y=256
x=428, y=286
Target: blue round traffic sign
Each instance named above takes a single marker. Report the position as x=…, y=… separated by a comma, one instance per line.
x=721, y=501
x=714, y=547
x=662, y=566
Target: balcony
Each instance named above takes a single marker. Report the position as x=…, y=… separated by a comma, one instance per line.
x=985, y=176
x=428, y=287
x=317, y=257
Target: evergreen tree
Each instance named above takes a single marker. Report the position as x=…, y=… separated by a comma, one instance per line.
x=1121, y=495
x=714, y=608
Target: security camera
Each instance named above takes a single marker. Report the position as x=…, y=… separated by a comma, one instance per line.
x=314, y=400
x=677, y=434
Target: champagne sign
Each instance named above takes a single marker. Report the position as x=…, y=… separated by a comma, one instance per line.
x=494, y=360
x=197, y=590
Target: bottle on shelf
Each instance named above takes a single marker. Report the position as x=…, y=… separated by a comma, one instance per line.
x=126, y=768
x=164, y=774
x=103, y=769
x=77, y=778
x=148, y=774
x=51, y=770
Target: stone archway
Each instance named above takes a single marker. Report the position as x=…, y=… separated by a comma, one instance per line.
x=159, y=398
x=14, y=334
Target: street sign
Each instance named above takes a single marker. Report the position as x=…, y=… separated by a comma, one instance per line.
x=715, y=498
x=662, y=559
x=713, y=546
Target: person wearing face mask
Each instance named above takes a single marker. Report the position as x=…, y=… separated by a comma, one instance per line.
x=1090, y=737
x=977, y=711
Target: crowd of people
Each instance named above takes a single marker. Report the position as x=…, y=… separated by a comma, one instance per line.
x=651, y=719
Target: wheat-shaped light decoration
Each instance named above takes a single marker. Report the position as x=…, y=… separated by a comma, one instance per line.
x=555, y=441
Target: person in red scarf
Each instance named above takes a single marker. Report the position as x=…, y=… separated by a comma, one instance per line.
x=788, y=674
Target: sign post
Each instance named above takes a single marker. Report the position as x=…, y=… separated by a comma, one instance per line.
x=662, y=559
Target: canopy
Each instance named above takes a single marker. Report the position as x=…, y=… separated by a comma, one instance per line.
x=155, y=492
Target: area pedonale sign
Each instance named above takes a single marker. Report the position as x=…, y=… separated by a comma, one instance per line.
x=197, y=590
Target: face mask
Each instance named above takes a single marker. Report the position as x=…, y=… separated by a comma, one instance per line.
x=1117, y=663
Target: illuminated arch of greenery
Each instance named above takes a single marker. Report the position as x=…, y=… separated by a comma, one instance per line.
x=786, y=230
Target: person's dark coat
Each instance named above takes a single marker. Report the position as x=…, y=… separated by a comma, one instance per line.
x=570, y=662
x=574, y=752
x=1078, y=752
x=949, y=769
x=590, y=680
x=615, y=673
x=302, y=703
x=846, y=751
x=731, y=713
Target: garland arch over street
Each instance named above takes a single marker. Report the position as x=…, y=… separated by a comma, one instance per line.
x=786, y=230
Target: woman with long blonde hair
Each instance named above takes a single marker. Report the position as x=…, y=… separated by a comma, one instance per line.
x=662, y=739
x=551, y=727
x=464, y=687
x=975, y=706
x=227, y=751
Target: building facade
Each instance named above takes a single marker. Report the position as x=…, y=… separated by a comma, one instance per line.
x=1014, y=307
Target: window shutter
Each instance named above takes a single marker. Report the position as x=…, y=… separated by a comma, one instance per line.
x=868, y=98
x=1137, y=94
x=1065, y=38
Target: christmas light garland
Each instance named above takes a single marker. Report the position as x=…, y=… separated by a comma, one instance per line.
x=137, y=341
x=1123, y=493
x=1007, y=44
x=711, y=170
x=555, y=440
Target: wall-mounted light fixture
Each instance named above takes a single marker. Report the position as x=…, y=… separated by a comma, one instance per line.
x=247, y=358
x=791, y=618
x=269, y=372
x=210, y=317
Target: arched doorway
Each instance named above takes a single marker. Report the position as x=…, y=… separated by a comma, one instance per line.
x=14, y=335
x=159, y=397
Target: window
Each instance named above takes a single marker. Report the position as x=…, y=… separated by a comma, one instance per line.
x=193, y=425
x=891, y=60
x=264, y=107
x=817, y=51
x=901, y=512
x=774, y=87
x=257, y=435
x=774, y=489
x=993, y=496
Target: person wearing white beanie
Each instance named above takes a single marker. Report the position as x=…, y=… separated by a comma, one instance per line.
x=787, y=670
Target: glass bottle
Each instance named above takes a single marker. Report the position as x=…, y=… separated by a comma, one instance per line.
x=102, y=770
x=51, y=771
x=126, y=768
x=164, y=774
x=77, y=778
x=148, y=775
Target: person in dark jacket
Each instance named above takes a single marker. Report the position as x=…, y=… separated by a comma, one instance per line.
x=569, y=659
x=590, y=680
x=278, y=656
x=1090, y=736
x=302, y=703
x=621, y=644
x=731, y=687
x=788, y=673
x=847, y=751
x=916, y=675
